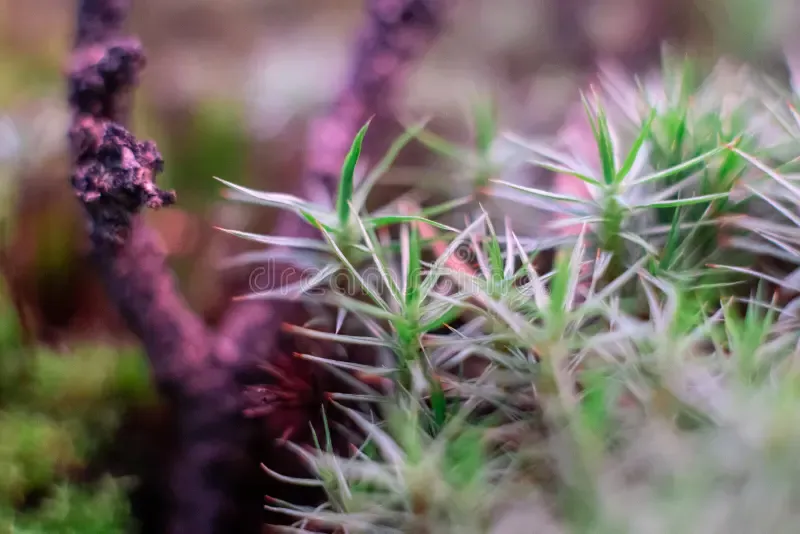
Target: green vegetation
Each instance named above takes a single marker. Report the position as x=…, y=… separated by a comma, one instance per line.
x=72, y=510
x=56, y=410
x=643, y=380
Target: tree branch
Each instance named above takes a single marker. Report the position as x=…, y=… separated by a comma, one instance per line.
x=114, y=177
x=396, y=33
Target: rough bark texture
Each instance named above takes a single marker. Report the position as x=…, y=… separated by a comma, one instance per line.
x=114, y=177
x=203, y=373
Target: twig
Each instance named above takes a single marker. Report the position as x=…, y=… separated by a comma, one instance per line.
x=113, y=176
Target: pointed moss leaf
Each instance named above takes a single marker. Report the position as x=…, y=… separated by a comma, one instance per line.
x=414, y=273
x=387, y=220
x=346, y=179
x=485, y=127
x=633, y=155
x=278, y=241
x=278, y=200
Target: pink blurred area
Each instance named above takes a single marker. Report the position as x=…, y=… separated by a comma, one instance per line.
x=230, y=87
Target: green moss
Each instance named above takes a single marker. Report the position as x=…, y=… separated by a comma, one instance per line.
x=10, y=363
x=56, y=410
x=73, y=510
x=65, y=384
x=26, y=76
x=34, y=449
x=215, y=144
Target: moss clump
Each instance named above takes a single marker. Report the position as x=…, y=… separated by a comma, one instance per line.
x=72, y=510
x=56, y=411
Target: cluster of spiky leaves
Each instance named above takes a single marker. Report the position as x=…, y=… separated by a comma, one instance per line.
x=645, y=380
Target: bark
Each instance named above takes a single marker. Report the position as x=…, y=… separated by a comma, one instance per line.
x=201, y=372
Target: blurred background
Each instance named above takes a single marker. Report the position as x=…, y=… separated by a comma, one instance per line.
x=228, y=91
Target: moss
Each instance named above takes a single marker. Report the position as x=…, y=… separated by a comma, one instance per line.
x=56, y=410
x=65, y=384
x=73, y=510
x=214, y=144
x=26, y=76
x=33, y=450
